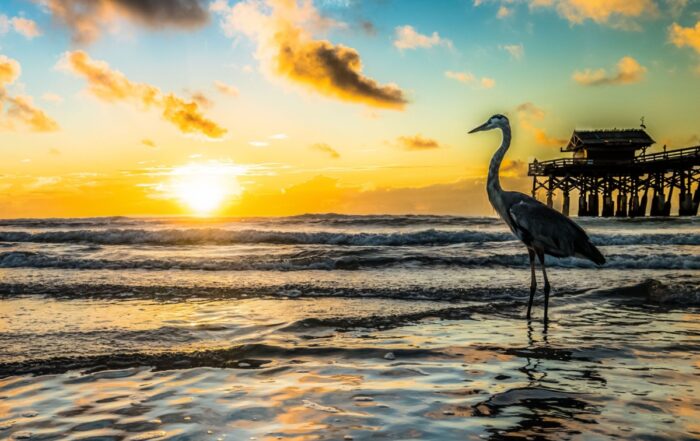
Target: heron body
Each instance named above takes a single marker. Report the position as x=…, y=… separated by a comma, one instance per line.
x=544, y=231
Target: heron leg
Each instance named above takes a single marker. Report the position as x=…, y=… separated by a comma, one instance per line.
x=547, y=288
x=533, y=281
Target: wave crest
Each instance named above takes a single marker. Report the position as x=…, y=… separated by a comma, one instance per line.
x=217, y=236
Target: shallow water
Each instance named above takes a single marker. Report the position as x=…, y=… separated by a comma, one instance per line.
x=342, y=327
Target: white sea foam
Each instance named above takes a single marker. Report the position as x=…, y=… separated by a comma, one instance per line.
x=217, y=236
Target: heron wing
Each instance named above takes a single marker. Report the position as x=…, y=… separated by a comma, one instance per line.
x=549, y=230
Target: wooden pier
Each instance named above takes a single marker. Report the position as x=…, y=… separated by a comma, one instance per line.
x=611, y=177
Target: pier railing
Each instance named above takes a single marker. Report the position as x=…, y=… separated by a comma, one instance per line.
x=671, y=157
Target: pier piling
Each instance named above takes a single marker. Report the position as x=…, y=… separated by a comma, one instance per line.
x=607, y=173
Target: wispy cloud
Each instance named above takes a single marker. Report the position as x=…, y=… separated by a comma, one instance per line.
x=488, y=83
x=286, y=49
x=112, y=86
x=226, y=89
x=51, y=97
x=417, y=142
x=200, y=98
x=627, y=71
x=86, y=19
x=406, y=37
x=621, y=14
x=325, y=148
x=462, y=77
x=470, y=78
x=616, y=13
x=529, y=115
x=516, y=51
x=504, y=11
x=23, y=26
x=19, y=110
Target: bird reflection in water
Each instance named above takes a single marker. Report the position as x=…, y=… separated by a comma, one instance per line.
x=542, y=409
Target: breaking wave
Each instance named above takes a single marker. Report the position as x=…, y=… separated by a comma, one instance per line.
x=337, y=260
x=217, y=236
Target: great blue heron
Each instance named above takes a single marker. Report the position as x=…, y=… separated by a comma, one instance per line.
x=542, y=229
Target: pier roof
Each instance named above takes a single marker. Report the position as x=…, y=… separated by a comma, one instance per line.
x=616, y=138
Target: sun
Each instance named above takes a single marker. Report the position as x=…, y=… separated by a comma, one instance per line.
x=204, y=188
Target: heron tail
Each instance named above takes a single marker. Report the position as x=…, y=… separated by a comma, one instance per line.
x=587, y=250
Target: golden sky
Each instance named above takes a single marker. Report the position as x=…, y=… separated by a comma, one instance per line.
x=279, y=107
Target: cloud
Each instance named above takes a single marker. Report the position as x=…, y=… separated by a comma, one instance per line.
x=325, y=148
x=513, y=168
x=23, y=26
x=258, y=143
x=51, y=97
x=368, y=27
x=616, y=13
x=283, y=33
x=682, y=37
x=528, y=114
x=676, y=7
x=19, y=110
x=462, y=77
x=112, y=86
x=469, y=78
x=226, y=89
x=504, y=11
x=10, y=70
x=26, y=27
x=621, y=14
x=86, y=19
x=417, y=142
x=516, y=51
x=487, y=83
x=627, y=71
x=408, y=38
x=148, y=142
x=201, y=99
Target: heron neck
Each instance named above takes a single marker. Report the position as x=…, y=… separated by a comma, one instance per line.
x=493, y=183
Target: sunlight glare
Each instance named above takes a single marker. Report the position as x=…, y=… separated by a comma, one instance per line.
x=204, y=188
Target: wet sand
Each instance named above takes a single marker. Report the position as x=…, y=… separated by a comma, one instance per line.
x=610, y=365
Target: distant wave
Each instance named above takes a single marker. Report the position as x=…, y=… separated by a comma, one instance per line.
x=310, y=219
x=217, y=236
x=337, y=260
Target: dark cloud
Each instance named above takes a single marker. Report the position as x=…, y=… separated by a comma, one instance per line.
x=334, y=70
x=87, y=18
x=283, y=32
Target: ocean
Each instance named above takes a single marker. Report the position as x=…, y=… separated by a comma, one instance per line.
x=335, y=327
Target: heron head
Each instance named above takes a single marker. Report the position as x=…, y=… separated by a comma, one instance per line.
x=495, y=122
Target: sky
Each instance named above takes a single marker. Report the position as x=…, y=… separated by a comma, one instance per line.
x=283, y=107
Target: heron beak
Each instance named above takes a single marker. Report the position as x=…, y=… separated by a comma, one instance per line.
x=484, y=126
